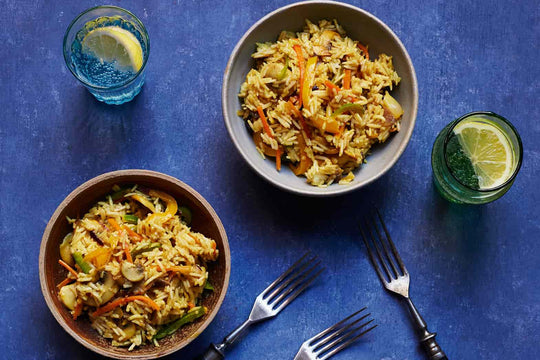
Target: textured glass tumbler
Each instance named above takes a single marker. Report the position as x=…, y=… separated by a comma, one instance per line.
x=118, y=93
x=448, y=185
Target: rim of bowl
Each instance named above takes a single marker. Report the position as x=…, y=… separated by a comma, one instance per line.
x=330, y=190
x=85, y=186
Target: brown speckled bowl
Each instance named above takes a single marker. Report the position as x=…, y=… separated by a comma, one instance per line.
x=205, y=221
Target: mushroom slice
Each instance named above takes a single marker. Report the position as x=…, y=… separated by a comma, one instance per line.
x=68, y=296
x=132, y=272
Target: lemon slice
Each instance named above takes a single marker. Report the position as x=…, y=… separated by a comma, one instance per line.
x=112, y=43
x=488, y=149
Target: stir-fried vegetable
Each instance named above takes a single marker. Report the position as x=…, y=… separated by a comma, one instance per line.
x=208, y=286
x=99, y=257
x=132, y=272
x=122, y=301
x=172, y=205
x=308, y=79
x=85, y=267
x=364, y=50
x=305, y=162
x=68, y=268
x=392, y=105
x=117, y=195
x=149, y=247
x=300, y=59
x=348, y=107
x=132, y=219
x=65, y=250
x=347, y=79
x=283, y=72
x=68, y=296
x=190, y=316
x=266, y=127
x=326, y=124
x=144, y=201
x=186, y=214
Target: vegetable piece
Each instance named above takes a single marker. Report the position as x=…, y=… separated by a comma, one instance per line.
x=190, y=316
x=149, y=247
x=85, y=267
x=110, y=286
x=325, y=43
x=184, y=270
x=305, y=162
x=278, y=159
x=133, y=234
x=330, y=85
x=132, y=219
x=186, y=214
x=301, y=119
x=132, y=272
x=364, y=50
x=68, y=268
x=99, y=257
x=65, y=250
x=117, y=195
x=68, y=296
x=309, y=76
x=264, y=122
x=172, y=205
x=329, y=125
x=283, y=72
x=129, y=331
x=144, y=201
x=114, y=224
x=267, y=150
x=300, y=59
x=77, y=310
x=392, y=105
x=122, y=301
x=208, y=286
x=348, y=107
x=286, y=35
x=127, y=252
x=347, y=79
x=64, y=282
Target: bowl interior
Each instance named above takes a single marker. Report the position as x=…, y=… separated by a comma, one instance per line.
x=360, y=26
x=76, y=204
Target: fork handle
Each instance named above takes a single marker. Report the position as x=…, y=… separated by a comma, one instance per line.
x=427, y=338
x=212, y=353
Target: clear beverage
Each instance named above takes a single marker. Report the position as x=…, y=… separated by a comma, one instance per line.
x=476, y=158
x=107, y=48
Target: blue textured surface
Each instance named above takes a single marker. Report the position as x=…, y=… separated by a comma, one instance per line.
x=475, y=270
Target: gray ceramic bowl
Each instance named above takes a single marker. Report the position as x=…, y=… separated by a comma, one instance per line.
x=360, y=25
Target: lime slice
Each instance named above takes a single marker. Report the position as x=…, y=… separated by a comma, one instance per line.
x=488, y=149
x=112, y=43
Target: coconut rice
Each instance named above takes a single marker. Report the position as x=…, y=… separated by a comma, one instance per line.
x=135, y=266
x=317, y=101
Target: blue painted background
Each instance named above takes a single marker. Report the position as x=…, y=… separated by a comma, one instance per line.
x=474, y=270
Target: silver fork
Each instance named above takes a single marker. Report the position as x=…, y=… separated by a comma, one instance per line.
x=272, y=300
x=397, y=277
x=329, y=342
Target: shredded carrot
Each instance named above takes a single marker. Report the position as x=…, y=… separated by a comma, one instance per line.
x=265, y=122
x=331, y=85
x=133, y=234
x=191, y=305
x=298, y=49
x=68, y=268
x=364, y=50
x=122, y=301
x=114, y=224
x=278, y=159
x=64, y=282
x=213, y=244
x=298, y=114
x=128, y=253
x=347, y=79
x=78, y=310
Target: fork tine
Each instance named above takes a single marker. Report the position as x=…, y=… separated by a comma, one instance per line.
x=290, y=278
x=371, y=257
x=394, y=250
x=347, y=343
x=297, y=292
x=385, y=248
x=296, y=279
x=379, y=254
x=284, y=275
x=338, y=333
x=332, y=328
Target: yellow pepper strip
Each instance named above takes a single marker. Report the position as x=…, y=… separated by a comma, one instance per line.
x=330, y=125
x=98, y=257
x=144, y=202
x=172, y=206
x=308, y=79
x=305, y=162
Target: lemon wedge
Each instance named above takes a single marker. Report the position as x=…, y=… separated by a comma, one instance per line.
x=112, y=43
x=488, y=149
